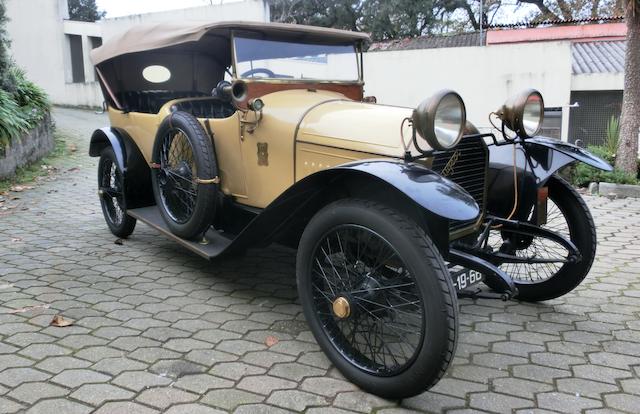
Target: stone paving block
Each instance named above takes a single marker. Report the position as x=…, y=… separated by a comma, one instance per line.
x=31, y=392
x=10, y=407
x=228, y=399
x=59, y=405
x=264, y=384
x=599, y=373
x=192, y=409
x=125, y=407
x=296, y=400
x=139, y=380
x=432, y=402
x=235, y=370
x=260, y=409
x=96, y=394
x=498, y=402
x=13, y=377
x=566, y=403
x=623, y=402
x=42, y=351
x=163, y=397
x=201, y=383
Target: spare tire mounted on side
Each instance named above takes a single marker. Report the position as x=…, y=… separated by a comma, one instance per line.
x=185, y=175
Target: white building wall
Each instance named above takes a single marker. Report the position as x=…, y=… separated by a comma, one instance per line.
x=40, y=44
x=485, y=76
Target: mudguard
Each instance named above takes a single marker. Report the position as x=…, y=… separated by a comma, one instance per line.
x=537, y=159
x=136, y=172
x=105, y=137
x=426, y=188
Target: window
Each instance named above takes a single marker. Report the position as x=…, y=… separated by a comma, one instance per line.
x=156, y=74
x=95, y=41
x=77, y=60
x=259, y=58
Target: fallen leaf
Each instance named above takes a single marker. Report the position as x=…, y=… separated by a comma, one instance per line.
x=73, y=169
x=29, y=308
x=73, y=148
x=271, y=341
x=60, y=322
x=119, y=242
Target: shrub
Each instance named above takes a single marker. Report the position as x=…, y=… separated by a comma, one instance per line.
x=582, y=174
x=13, y=121
x=31, y=98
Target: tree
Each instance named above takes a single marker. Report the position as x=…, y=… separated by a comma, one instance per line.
x=384, y=19
x=85, y=10
x=574, y=9
x=5, y=60
x=627, y=154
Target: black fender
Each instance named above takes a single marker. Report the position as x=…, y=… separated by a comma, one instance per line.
x=104, y=137
x=135, y=169
x=395, y=180
x=537, y=159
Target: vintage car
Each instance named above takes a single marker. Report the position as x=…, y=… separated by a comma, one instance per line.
x=226, y=136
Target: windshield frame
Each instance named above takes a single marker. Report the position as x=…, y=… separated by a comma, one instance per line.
x=358, y=49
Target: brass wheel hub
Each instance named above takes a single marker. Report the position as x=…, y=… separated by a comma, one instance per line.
x=341, y=307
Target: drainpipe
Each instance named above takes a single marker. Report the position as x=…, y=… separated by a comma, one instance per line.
x=480, y=20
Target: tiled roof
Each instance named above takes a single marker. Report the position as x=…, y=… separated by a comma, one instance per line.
x=598, y=57
x=429, y=42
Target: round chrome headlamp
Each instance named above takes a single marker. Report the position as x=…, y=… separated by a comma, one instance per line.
x=441, y=119
x=523, y=113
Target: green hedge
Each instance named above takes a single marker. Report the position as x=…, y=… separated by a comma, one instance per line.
x=23, y=105
x=582, y=174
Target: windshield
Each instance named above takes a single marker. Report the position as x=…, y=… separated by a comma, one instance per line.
x=258, y=58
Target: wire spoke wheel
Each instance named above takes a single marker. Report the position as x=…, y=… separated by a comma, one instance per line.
x=552, y=275
x=176, y=176
x=111, y=189
x=368, y=302
x=534, y=248
x=111, y=192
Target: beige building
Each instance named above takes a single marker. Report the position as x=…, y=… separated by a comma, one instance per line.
x=55, y=51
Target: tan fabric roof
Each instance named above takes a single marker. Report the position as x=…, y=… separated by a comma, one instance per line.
x=160, y=35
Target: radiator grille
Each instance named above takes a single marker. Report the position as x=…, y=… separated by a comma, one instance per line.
x=468, y=171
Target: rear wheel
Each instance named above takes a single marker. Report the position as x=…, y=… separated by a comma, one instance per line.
x=567, y=215
x=111, y=191
x=183, y=182
x=378, y=297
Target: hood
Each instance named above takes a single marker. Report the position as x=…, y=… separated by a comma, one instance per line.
x=357, y=126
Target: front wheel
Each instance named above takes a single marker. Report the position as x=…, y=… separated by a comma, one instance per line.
x=377, y=297
x=567, y=215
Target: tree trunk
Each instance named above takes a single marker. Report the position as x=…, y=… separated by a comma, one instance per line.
x=627, y=154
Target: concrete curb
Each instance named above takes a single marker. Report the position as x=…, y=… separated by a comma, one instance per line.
x=612, y=190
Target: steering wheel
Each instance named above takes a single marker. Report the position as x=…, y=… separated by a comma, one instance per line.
x=256, y=71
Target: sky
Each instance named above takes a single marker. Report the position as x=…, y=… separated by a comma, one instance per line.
x=116, y=8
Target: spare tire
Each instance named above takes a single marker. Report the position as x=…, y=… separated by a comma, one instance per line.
x=185, y=175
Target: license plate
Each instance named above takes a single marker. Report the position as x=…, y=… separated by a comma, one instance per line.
x=466, y=278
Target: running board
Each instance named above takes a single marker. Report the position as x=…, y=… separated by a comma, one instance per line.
x=217, y=243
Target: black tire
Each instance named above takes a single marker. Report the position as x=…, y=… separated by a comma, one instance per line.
x=112, y=198
x=572, y=219
x=420, y=273
x=184, y=153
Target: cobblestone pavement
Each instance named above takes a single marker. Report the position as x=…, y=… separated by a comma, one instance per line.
x=159, y=329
